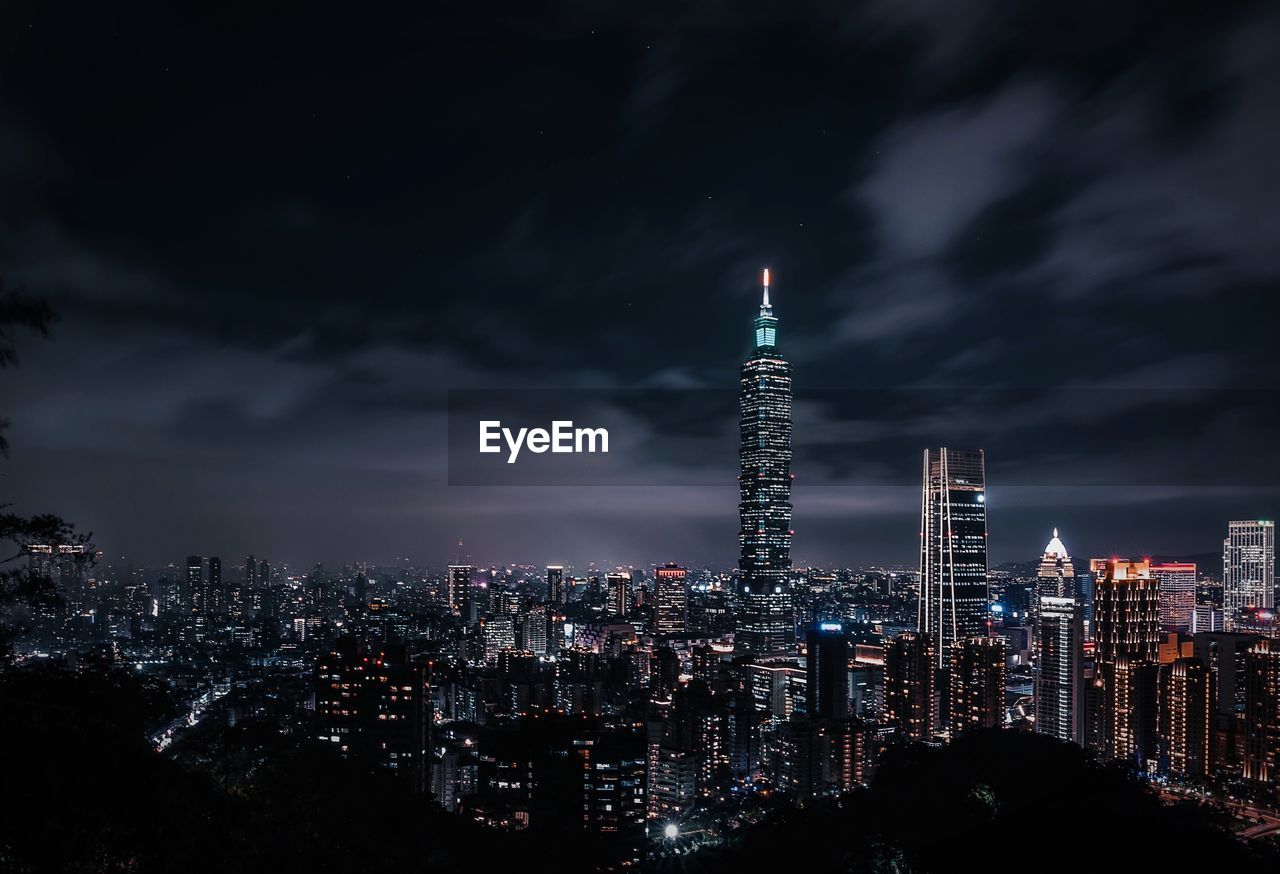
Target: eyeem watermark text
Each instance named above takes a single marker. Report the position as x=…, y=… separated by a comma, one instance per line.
x=562, y=437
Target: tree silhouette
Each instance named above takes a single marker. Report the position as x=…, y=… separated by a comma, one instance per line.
x=19, y=311
x=988, y=796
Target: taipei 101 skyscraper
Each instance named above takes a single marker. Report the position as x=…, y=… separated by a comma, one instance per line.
x=765, y=619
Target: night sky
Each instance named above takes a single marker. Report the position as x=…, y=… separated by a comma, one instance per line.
x=277, y=237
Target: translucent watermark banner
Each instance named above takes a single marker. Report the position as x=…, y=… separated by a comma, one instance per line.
x=1058, y=437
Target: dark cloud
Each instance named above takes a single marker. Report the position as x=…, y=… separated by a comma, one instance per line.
x=277, y=249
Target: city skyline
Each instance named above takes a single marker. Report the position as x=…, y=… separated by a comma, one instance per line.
x=709, y=437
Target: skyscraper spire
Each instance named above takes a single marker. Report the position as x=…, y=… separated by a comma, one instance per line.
x=766, y=322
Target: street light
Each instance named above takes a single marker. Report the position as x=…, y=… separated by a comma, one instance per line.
x=672, y=831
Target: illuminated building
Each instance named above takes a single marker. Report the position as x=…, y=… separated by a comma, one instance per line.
x=62, y=565
x=1262, y=711
x=827, y=671
x=910, y=701
x=556, y=591
x=953, y=549
x=1248, y=567
x=866, y=690
x=197, y=594
x=453, y=774
x=1223, y=654
x=374, y=705
x=700, y=723
x=613, y=805
x=533, y=632
x=579, y=682
x=806, y=757
x=1206, y=617
x=459, y=586
x=744, y=736
x=477, y=597
x=498, y=633
x=1059, y=680
x=707, y=663
x=765, y=622
x=672, y=593
x=1185, y=712
x=1127, y=640
x=618, y=586
x=1256, y=620
x=215, y=597
x=851, y=752
x=506, y=601
x=777, y=688
x=1056, y=577
x=664, y=673
x=673, y=779
x=1177, y=594
x=976, y=682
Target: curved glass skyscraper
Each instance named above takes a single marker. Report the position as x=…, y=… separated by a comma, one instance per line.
x=765, y=621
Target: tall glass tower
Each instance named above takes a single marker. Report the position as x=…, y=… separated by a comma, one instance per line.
x=765, y=621
x=1248, y=567
x=1059, y=680
x=953, y=548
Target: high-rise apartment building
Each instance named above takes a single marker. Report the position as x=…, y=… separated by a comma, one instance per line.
x=613, y=805
x=498, y=633
x=1059, y=679
x=1186, y=717
x=375, y=705
x=1127, y=642
x=556, y=593
x=62, y=565
x=1177, y=594
x=196, y=591
x=458, y=586
x=1248, y=567
x=533, y=631
x=1224, y=654
x=976, y=684
x=215, y=594
x=1262, y=711
x=827, y=671
x=671, y=614
x=910, y=697
x=673, y=781
x=1206, y=618
x=618, y=588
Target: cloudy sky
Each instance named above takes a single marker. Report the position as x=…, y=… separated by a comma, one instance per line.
x=280, y=237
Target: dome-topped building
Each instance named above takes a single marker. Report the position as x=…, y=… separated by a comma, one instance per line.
x=1057, y=575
